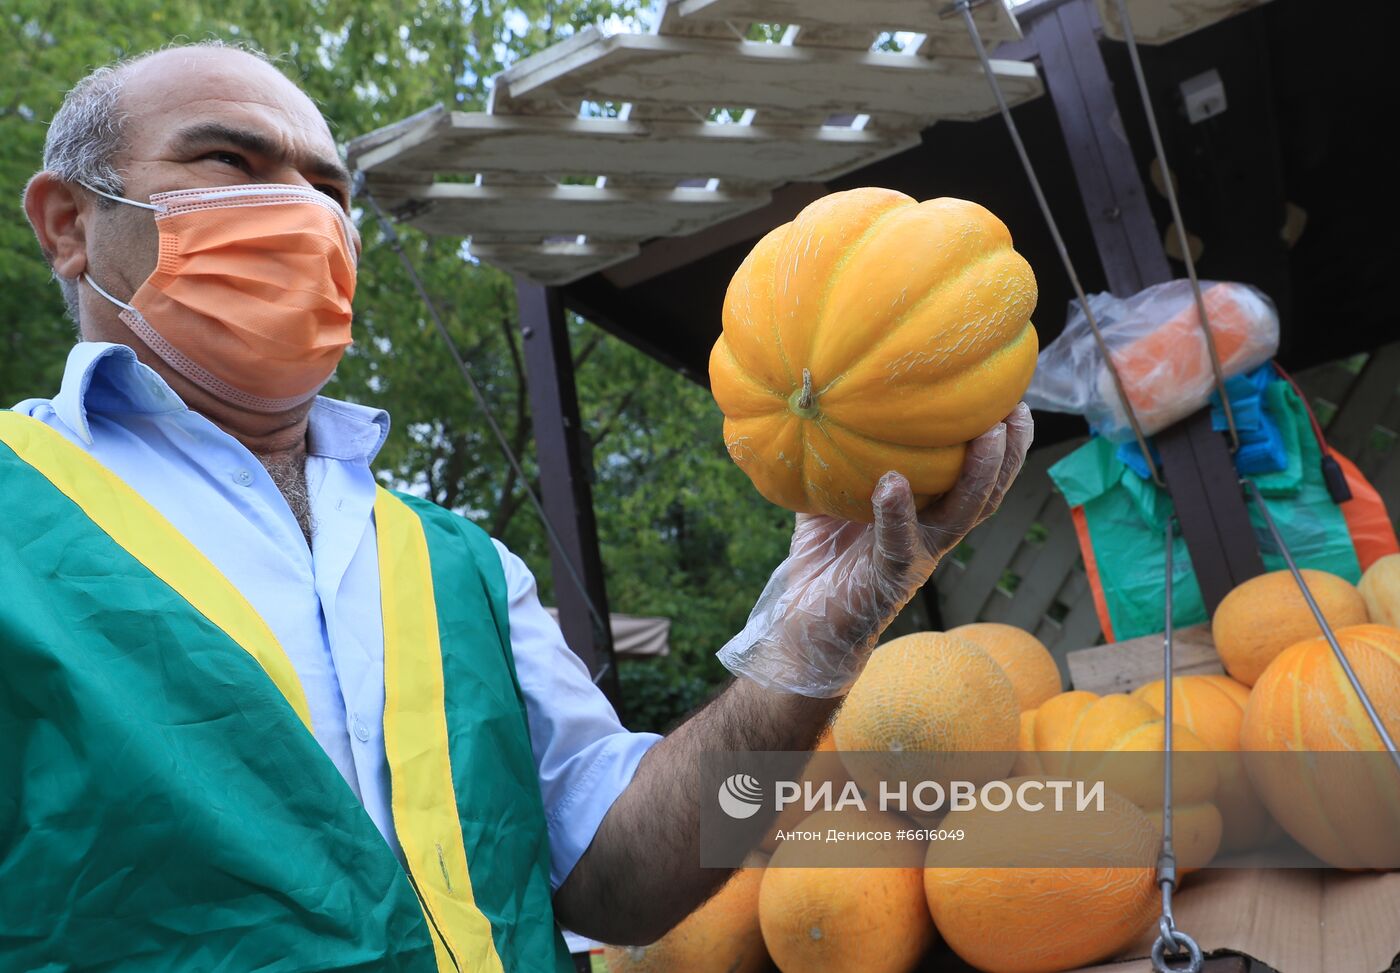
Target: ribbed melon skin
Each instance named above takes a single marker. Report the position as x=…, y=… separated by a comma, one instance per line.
x=1342, y=810
x=909, y=324
x=1212, y=707
x=1119, y=739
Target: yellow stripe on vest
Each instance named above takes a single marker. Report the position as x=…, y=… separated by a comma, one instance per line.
x=415, y=742
x=149, y=537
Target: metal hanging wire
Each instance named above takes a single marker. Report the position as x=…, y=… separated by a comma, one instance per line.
x=1171, y=941
x=1327, y=632
x=1172, y=944
x=964, y=7
x=1180, y=225
x=392, y=237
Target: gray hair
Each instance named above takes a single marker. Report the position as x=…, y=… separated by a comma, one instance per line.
x=86, y=135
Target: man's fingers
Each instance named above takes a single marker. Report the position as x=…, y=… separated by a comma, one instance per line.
x=1020, y=431
x=959, y=509
x=896, y=523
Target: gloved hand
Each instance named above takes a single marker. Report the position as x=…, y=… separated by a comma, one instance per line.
x=825, y=607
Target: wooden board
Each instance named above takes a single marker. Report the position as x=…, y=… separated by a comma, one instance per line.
x=1160, y=21
x=650, y=69
x=475, y=142
x=554, y=262
x=994, y=19
x=549, y=210
x=1120, y=667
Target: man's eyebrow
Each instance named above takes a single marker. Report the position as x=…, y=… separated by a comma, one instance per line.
x=215, y=132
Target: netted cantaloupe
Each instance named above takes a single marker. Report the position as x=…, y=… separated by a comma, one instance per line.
x=1023, y=657
x=1026, y=891
x=872, y=333
x=1266, y=614
x=818, y=920
x=1315, y=758
x=934, y=695
x=722, y=936
x=1212, y=707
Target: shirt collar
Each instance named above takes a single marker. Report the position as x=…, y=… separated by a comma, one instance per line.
x=102, y=377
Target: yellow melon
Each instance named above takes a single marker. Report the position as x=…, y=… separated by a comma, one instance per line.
x=1380, y=589
x=1120, y=740
x=929, y=694
x=1022, y=656
x=1082, y=905
x=872, y=333
x=722, y=936
x=817, y=919
x=1265, y=615
x=1314, y=757
x=1212, y=707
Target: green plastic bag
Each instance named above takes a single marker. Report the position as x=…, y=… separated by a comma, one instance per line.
x=1127, y=517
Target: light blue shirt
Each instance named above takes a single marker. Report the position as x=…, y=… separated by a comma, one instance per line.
x=322, y=602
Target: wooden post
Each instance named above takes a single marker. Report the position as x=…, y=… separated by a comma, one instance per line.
x=564, y=483
x=1196, y=461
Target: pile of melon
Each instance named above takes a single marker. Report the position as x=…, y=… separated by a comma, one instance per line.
x=994, y=688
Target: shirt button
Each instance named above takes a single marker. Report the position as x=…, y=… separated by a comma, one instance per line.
x=361, y=731
x=244, y=477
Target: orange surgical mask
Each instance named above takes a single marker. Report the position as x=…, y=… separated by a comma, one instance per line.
x=250, y=297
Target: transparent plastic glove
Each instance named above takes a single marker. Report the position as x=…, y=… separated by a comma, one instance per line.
x=842, y=583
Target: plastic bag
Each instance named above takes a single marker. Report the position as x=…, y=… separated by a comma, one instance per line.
x=1158, y=346
x=1120, y=518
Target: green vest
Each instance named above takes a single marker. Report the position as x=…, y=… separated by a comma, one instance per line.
x=163, y=804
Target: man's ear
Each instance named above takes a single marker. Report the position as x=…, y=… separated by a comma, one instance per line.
x=56, y=215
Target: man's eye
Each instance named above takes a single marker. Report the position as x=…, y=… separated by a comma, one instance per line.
x=333, y=192
x=228, y=158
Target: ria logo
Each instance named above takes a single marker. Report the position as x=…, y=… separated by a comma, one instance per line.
x=740, y=796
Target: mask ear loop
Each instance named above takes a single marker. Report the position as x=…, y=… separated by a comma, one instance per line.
x=120, y=199
x=95, y=286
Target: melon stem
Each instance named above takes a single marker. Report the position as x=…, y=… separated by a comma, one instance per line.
x=802, y=401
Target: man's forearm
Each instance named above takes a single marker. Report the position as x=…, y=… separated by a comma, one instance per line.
x=641, y=874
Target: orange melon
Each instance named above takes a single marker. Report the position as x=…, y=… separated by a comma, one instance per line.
x=1380, y=589
x=928, y=693
x=1025, y=918
x=1120, y=740
x=1265, y=615
x=816, y=920
x=722, y=936
x=872, y=333
x=1314, y=756
x=1023, y=657
x=1212, y=707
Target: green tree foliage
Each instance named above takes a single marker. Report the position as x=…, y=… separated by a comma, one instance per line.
x=683, y=533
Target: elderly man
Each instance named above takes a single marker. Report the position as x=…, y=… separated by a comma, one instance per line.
x=260, y=714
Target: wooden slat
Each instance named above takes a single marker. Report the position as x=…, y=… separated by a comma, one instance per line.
x=1120, y=667
x=1363, y=407
x=627, y=214
x=471, y=142
x=994, y=19
x=1158, y=21
x=1040, y=583
x=552, y=263
x=647, y=69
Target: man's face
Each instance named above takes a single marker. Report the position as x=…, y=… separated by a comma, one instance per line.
x=197, y=118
